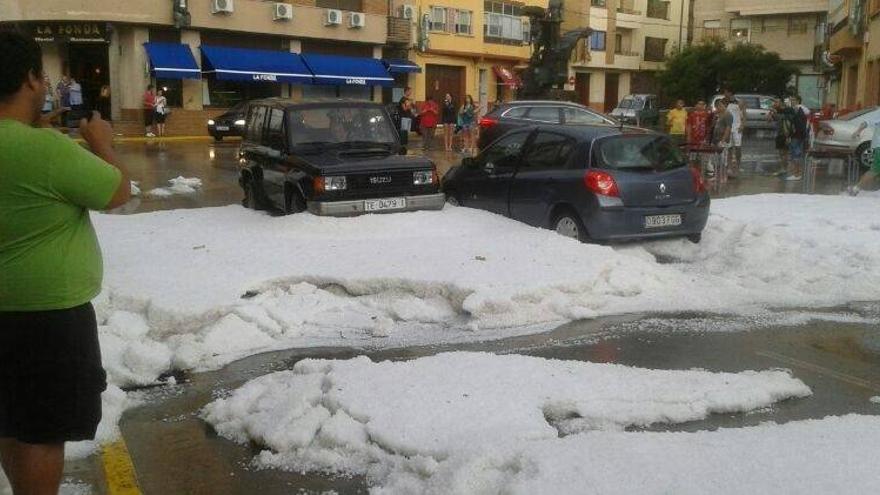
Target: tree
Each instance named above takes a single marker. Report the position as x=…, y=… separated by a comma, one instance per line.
x=704, y=69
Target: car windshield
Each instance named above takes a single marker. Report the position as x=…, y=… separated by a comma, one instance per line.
x=337, y=126
x=647, y=152
x=857, y=114
x=632, y=103
x=239, y=107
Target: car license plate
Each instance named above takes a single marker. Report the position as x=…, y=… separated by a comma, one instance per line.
x=655, y=221
x=222, y=127
x=384, y=204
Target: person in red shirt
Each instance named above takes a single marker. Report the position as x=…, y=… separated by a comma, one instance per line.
x=430, y=116
x=697, y=130
x=149, y=110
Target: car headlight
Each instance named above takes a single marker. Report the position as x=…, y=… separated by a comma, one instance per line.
x=423, y=177
x=210, y=121
x=239, y=122
x=331, y=183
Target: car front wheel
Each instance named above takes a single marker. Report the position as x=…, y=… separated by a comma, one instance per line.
x=568, y=224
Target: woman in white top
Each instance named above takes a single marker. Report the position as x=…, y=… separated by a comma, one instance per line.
x=161, y=111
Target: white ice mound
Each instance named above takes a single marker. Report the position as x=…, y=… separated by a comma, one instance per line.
x=354, y=415
x=177, y=185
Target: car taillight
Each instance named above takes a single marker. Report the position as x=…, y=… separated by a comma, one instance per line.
x=601, y=183
x=699, y=183
x=487, y=122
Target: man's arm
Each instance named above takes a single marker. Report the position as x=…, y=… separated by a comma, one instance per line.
x=99, y=135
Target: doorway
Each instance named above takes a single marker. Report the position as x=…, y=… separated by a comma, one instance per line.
x=89, y=64
x=582, y=87
x=442, y=79
x=484, y=91
x=612, y=82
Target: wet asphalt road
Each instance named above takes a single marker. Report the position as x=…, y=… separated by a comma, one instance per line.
x=175, y=452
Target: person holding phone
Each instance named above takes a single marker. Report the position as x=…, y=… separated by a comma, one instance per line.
x=51, y=377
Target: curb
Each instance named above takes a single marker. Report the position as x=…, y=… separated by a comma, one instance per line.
x=169, y=139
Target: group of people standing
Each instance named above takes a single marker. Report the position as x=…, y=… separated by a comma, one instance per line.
x=719, y=132
x=66, y=100
x=456, y=120
x=155, y=111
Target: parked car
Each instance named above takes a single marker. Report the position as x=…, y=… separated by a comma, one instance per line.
x=230, y=123
x=756, y=107
x=593, y=183
x=331, y=158
x=508, y=116
x=639, y=110
x=838, y=135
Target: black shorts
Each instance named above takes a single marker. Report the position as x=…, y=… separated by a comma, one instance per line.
x=149, y=117
x=160, y=118
x=51, y=377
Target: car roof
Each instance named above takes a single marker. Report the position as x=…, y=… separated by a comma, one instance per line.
x=592, y=131
x=316, y=103
x=543, y=102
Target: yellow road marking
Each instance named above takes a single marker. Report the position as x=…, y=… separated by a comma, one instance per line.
x=852, y=380
x=119, y=470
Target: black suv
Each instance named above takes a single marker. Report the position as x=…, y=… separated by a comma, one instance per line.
x=230, y=123
x=509, y=116
x=336, y=158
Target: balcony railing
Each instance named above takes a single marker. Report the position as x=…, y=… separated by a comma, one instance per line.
x=399, y=31
x=624, y=10
x=627, y=53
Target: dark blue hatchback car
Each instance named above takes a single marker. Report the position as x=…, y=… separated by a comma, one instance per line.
x=592, y=182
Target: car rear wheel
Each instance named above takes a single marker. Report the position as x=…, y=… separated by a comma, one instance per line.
x=696, y=238
x=865, y=155
x=452, y=199
x=294, y=202
x=568, y=224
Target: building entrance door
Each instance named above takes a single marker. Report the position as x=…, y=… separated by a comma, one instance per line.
x=582, y=87
x=89, y=64
x=612, y=81
x=442, y=79
x=484, y=92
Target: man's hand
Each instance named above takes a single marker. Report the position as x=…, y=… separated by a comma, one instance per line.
x=97, y=132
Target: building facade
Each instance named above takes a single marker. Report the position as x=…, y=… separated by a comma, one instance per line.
x=629, y=43
x=104, y=42
x=852, y=56
x=465, y=47
x=787, y=27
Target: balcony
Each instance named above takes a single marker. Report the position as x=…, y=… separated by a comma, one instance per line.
x=628, y=18
x=399, y=31
x=776, y=7
x=844, y=43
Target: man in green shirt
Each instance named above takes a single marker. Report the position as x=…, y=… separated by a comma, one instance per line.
x=51, y=376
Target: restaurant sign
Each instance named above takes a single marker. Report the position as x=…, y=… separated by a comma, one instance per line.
x=76, y=32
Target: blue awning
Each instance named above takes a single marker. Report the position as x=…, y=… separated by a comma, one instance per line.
x=397, y=65
x=172, y=61
x=337, y=70
x=243, y=64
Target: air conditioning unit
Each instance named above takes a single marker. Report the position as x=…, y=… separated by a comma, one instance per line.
x=408, y=11
x=222, y=6
x=282, y=12
x=357, y=20
x=332, y=17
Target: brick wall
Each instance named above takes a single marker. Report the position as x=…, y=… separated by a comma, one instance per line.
x=378, y=7
x=399, y=30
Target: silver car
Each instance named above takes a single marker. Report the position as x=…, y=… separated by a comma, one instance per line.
x=840, y=135
x=756, y=107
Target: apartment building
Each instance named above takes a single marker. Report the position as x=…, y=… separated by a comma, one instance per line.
x=209, y=54
x=466, y=47
x=853, y=53
x=787, y=27
x=629, y=43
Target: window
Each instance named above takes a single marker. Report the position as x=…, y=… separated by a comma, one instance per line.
x=645, y=152
x=503, y=23
x=173, y=90
x=597, y=41
x=352, y=5
x=548, y=151
x=748, y=101
x=464, y=22
x=798, y=25
x=438, y=19
x=505, y=151
x=658, y=9
x=740, y=30
x=580, y=116
x=256, y=119
x=597, y=3
x=549, y=115
x=275, y=129
x=618, y=43
x=655, y=49
x=712, y=29
x=225, y=94
x=516, y=113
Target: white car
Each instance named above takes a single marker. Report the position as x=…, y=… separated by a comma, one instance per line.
x=838, y=135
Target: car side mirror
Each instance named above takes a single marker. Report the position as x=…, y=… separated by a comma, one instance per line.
x=469, y=162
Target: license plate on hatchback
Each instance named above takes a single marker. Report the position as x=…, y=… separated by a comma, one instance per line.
x=222, y=128
x=656, y=221
x=384, y=204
